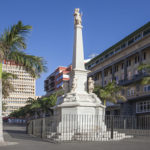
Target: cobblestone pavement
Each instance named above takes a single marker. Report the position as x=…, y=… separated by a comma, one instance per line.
x=16, y=134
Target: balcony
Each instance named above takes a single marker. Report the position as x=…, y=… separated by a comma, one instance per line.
x=138, y=95
x=133, y=79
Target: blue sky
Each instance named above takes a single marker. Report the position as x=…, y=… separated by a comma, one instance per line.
x=105, y=22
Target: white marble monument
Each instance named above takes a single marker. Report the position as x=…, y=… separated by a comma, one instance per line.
x=79, y=107
x=80, y=99
x=81, y=113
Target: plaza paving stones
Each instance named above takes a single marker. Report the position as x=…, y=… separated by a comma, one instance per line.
x=21, y=141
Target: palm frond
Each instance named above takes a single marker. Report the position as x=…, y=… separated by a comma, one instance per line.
x=145, y=80
x=14, y=38
x=7, y=87
x=110, y=92
x=143, y=67
x=32, y=64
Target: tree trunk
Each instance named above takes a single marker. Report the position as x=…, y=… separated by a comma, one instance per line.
x=1, y=123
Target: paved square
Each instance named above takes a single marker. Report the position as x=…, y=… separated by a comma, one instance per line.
x=26, y=142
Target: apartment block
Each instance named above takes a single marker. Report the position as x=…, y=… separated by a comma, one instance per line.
x=58, y=80
x=120, y=63
x=24, y=87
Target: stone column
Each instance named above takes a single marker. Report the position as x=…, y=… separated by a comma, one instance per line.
x=125, y=69
x=140, y=57
x=102, y=78
x=113, y=72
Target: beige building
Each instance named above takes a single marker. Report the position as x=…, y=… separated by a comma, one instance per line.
x=24, y=87
x=120, y=62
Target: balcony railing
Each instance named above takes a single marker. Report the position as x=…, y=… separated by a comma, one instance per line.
x=134, y=78
x=138, y=94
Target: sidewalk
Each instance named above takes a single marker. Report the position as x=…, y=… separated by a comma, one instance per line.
x=25, y=142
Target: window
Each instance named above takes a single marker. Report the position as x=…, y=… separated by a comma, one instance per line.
x=128, y=92
x=116, y=68
x=146, y=32
x=131, y=92
x=137, y=37
x=117, y=79
x=89, y=66
x=137, y=88
x=128, y=62
x=144, y=56
x=111, y=53
x=130, y=41
x=123, y=45
x=146, y=88
x=138, y=58
x=96, y=77
x=111, y=71
x=92, y=65
x=105, y=73
x=117, y=49
x=143, y=107
x=122, y=92
x=122, y=76
x=122, y=66
x=106, y=56
x=97, y=62
x=135, y=60
x=101, y=59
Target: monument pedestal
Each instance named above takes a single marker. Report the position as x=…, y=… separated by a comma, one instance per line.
x=79, y=103
x=79, y=115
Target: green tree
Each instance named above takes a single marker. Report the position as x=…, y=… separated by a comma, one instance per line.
x=111, y=92
x=48, y=102
x=7, y=85
x=145, y=68
x=4, y=107
x=12, y=44
x=38, y=107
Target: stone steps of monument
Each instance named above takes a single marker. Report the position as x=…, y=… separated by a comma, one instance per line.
x=101, y=135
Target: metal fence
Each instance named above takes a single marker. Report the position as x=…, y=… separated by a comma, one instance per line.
x=89, y=127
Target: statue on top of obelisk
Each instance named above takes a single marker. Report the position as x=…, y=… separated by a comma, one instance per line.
x=77, y=17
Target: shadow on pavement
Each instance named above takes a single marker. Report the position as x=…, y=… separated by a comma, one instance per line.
x=15, y=132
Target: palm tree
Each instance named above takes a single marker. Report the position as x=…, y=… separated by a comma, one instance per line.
x=12, y=44
x=48, y=102
x=7, y=85
x=145, y=68
x=111, y=93
x=4, y=107
x=34, y=108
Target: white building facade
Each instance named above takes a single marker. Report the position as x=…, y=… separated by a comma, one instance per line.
x=24, y=87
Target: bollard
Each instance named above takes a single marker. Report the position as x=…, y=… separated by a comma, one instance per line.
x=112, y=127
x=125, y=123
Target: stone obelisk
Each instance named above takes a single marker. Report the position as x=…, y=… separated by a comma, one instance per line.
x=79, y=100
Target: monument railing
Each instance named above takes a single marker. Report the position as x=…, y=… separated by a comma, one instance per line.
x=89, y=127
